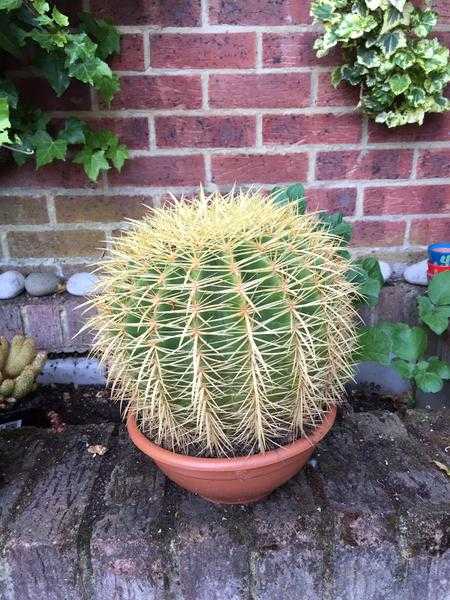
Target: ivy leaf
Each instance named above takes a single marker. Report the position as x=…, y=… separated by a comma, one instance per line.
x=398, y=4
x=107, y=87
x=105, y=34
x=429, y=382
x=392, y=18
x=93, y=162
x=5, y=123
x=48, y=149
x=390, y=42
x=399, y=83
x=59, y=18
x=10, y=4
x=53, y=68
x=41, y=6
x=74, y=131
x=368, y=58
x=118, y=155
x=439, y=289
x=79, y=48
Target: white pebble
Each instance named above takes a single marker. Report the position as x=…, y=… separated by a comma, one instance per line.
x=81, y=284
x=385, y=269
x=417, y=273
x=12, y=283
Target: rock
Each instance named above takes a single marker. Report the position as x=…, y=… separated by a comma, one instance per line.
x=81, y=284
x=41, y=284
x=417, y=273
x=12, y=284
x=385, y=269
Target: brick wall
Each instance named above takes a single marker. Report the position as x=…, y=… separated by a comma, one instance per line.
x=220, y=91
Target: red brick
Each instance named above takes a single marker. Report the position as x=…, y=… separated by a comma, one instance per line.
x=132, y=131
x=434, y=163
x=57, y=175
x=131, y=57
x=259, y=12
x=162, y=13
x=443, y=9
x=328, y=95
x=341, y=200
x=427, y=231
x=364, y=164
x=146, y=92
x=294, y=50
x=312, y=129
x=407, y=200
x=272, y=90
x=378, y=233
x=259, y=168
x=436, y=127
x=16, y=210
x=161, y=171
x=205, y=132
x=198, y=51
x=79, y=209
x=76, y=316
x=32, y=90
x=44, y=325
x=50, y=244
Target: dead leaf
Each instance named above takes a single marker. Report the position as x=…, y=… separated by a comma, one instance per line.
x=442, y=467
x=97, y=449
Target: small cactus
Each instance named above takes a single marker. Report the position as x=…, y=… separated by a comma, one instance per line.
x=20, y=364
x=227, y=323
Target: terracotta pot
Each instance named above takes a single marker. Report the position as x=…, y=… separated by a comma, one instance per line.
x=238, y=480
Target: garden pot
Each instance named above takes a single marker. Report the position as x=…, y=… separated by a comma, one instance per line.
x=238, y=480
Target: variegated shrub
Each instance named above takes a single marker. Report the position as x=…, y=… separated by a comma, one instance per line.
x=402, y=73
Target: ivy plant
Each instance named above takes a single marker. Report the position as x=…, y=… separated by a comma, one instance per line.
x=35, y=32
x=401, y=72
x=434, y=306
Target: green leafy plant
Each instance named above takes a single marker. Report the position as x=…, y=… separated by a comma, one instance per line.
x=388, y=54
x=227, y=322
x=36, y=32
x=403, y=347
x=434, y=306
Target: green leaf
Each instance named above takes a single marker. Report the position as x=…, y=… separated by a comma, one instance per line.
x=322, y=10
x=403, y=368
x=436, y=317
x=74, y=131
x=79, y=48
x=118, y=155
x=429, y=382
x=59, y=18
x=399, y=83
x=392, y=18
x=107, y=87
x=408, y=343
x=375, y=344
x=368, y=58
x=104, y=33
x=41, y=6
x=390, y=42
x=439, y=367
x=10, y=4
x=93, y=162
x=48, y=149
x=52, y=66
x=398, y=4
x=5, y=123
x=439, y=289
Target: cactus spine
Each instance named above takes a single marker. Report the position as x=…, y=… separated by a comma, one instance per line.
x=226, y=323
x=20, y=364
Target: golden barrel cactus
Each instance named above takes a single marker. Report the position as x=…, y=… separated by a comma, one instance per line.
x=227, y=323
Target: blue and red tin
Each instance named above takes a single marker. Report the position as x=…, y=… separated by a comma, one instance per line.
x=438, y=258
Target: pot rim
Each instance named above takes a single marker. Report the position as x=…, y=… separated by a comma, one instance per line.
x=262, y=459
